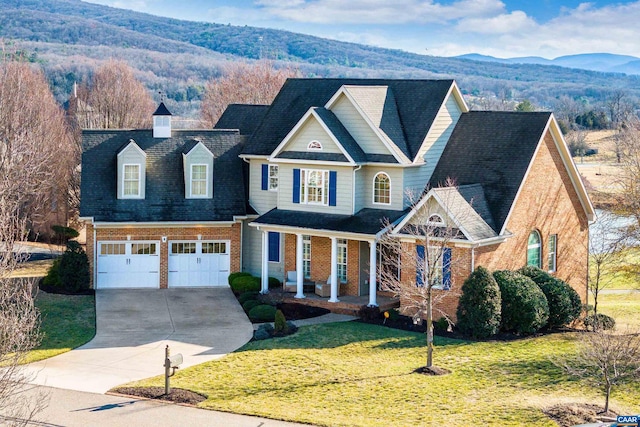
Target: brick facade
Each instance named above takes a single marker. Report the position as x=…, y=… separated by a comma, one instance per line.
x=231, y=233
x=547, y=203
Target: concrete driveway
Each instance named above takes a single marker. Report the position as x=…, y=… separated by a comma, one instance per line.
x=133, y=328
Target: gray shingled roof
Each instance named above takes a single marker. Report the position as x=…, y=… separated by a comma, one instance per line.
x=493, y=149
x=366, y=221
x=244, y=117
x=164, y=193
x=417, y=103
x=162, y=110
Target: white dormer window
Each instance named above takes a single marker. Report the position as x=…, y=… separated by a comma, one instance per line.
x=314, y=146
x=198, y=171
x=435, y=219
x=199, y=180
x=131, y=171
x=131, y=181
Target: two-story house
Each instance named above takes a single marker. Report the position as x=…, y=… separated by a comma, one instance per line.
x=326, y=170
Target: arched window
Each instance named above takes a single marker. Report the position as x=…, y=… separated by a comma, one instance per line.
x=435, y=219
x=533, y=250
x=382, y=189
x=314, y=145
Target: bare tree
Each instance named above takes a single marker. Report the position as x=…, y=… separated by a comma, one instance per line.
x=33, y=138
x=423, y=246
x=629, y=177
x=606, y=359
x=242, y=83
x=114, y=99
x=606, y=240
x=577, y=143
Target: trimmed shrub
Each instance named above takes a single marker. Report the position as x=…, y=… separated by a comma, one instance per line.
x=262, y=313
x=243, y=284
x=237, y=274
x=564, y=302
x=369, y=314
x=279, y=323
x=74, y=268
x=524, y=307
x=441, y=325
x=599, y=321
x=248, y=305
x=53, y=275
x=274, y=283
x=263, y=332
x=480, y=306
x=247, y=296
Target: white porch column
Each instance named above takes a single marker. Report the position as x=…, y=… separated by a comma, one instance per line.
x=373, y=285
x=334, y=270
x=265, y=264
x=299, y=268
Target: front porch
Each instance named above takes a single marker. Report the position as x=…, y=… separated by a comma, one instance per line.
x=348, y=304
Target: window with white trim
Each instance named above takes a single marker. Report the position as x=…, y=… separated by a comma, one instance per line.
x=112, y=249
x=534, y=248
x=306, y=256
x=382, y=189
x=131, y=180
x=143, y=249
x=314, y=146
x=199, y=180
x=342, y=260
x=183, y=248
x=273, y=177
x=553, y=250
x=314, y=186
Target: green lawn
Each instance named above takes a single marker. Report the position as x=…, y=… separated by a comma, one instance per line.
x=624, y=307
x=624, y=274
x=67, y=321
x=353, y=374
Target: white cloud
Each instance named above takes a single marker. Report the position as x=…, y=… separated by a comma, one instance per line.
x=515, y=22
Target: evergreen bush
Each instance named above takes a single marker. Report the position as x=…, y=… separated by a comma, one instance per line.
x=599, y=321
x=246, y=296
x=274, y=283
x=564, y=302
x=245, y=283
x=74, y=268
x=279, y=323
x=262, y=313
x=480, y=305
x=232, y=276
x=524, y=307
x=52, y=279
x=248, y=305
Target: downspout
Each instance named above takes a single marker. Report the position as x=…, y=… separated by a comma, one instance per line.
x=473, y=258
x=95, y=257
x=241, y=243
x=353, y=187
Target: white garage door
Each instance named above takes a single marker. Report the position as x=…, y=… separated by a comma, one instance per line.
x=128, y=265
x=199, y=263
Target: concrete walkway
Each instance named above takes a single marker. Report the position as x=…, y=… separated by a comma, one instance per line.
x=133, y=328
x=78, y=409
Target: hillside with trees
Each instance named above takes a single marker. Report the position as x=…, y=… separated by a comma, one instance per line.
x=70, y=38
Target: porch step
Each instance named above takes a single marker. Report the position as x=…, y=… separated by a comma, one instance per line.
x=349, y=305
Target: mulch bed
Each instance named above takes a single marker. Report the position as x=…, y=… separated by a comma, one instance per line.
x=294, y=311
x=177, y=395
x=433, y=370
x=570, y=414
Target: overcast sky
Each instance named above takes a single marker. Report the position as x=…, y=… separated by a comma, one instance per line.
x=506, y=28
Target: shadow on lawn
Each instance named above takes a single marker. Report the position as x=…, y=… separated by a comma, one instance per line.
x=535, y=374
x=333, y=335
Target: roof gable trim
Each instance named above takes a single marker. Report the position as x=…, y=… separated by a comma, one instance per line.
x=310, y=115
x=131, y=145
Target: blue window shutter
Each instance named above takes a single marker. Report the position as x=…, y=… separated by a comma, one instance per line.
x=446, y=269
x=296, y=186
x=265, y=177
x=419, y=265
x=274, y=247
x=333, y=178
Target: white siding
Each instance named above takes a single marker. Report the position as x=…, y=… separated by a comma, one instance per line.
x=431, y=207
x=344, y=187
x=312, y=131
x=251, y=250
x=358, y=127
x=364, y=185
x=439, y=134
x=261, y=200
